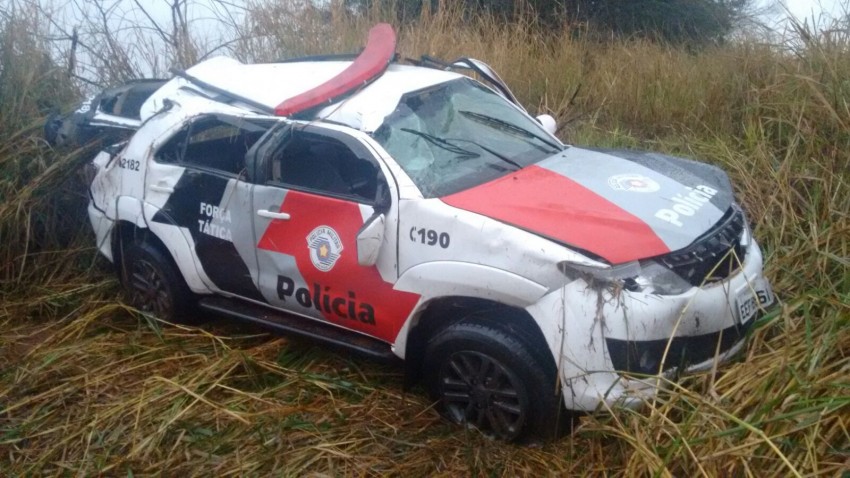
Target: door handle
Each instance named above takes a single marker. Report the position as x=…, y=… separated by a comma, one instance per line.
x=161, y=189
x=272, y=215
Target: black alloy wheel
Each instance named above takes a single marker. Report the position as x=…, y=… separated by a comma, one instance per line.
x=477, y=389
x=485, y=376
x=154, y=285
x=148, y=291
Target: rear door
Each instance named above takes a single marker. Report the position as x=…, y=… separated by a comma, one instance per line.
x=201, y=171
x=315, y=190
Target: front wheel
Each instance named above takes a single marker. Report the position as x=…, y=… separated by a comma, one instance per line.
x=485, y=377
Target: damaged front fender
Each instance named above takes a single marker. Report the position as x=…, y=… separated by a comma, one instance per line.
x=602, y=333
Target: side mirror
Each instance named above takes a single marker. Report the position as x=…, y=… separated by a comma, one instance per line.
x=548, y=123
x=369, y=240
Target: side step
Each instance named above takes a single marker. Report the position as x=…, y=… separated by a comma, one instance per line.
x=300, y=326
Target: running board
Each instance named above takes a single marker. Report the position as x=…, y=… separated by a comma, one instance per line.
x=301, y=326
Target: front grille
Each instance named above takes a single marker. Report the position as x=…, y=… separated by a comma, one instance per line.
x=644, y=356
x=715, y=255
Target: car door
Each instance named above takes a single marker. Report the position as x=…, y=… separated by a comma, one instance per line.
x=316, y=188
x=201, y=170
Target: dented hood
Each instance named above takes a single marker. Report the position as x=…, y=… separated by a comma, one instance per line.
x=618, y=205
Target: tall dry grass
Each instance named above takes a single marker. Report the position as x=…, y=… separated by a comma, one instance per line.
x=88, y=387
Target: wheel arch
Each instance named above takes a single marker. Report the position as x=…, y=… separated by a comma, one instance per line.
x=439, y=313
x=126, y=232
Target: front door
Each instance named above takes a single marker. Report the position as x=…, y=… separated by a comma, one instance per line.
x=319, y=188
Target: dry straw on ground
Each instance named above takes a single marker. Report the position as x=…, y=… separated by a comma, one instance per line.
x=88, y=387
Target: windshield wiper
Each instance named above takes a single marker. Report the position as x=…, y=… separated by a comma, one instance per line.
x=442, y=143
x=506, y=125
x=494, y=153
x=449, y=146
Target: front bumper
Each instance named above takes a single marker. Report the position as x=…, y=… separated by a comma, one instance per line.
x=600, y=334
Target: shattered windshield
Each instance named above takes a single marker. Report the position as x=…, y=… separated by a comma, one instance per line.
x=459, y=134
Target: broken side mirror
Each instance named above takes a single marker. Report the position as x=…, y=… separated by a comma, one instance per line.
x=369, y=240
x=548, y=123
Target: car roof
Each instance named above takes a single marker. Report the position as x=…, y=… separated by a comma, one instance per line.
x=268, y=84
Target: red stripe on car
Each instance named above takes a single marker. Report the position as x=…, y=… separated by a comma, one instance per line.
x=347, y=288
x=554, y=206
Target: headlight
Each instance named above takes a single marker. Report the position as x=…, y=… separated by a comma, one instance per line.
x=645, y=276
x=657, y=279
x=602, y=273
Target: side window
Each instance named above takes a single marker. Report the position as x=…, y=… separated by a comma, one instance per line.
x=326, y=166
x=215, y=143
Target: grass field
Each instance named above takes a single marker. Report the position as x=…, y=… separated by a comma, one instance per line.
x=89, y=387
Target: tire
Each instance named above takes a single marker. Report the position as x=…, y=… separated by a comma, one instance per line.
x=484, y=377
x=154, y=285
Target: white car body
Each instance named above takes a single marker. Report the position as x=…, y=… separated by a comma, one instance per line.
x=377, y=271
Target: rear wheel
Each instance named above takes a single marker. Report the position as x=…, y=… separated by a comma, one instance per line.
x=154, y=284
x=487, y=378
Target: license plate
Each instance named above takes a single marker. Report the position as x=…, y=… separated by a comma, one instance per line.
x=752, y=299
